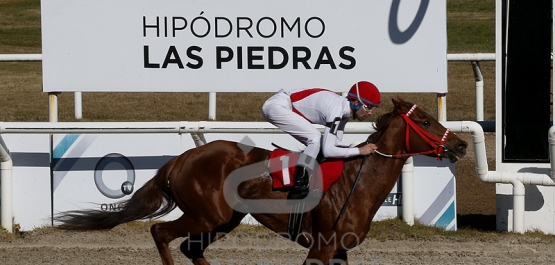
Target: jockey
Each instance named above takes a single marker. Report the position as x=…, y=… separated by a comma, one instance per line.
x=295, y=111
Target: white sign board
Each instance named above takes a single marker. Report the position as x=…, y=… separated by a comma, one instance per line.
x=98, y=171
x=243, y=45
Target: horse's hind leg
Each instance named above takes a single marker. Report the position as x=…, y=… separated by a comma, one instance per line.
x=194, y=246
x=340, y=259
x=164, y=233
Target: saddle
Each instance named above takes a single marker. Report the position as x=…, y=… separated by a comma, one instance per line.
x=282, y=168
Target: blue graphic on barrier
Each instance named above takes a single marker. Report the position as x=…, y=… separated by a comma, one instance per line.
x=444, y=218
x=63, y=165
x=447, y=218
x=63, y=146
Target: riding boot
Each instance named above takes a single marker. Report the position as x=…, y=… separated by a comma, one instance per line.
x=301, y=180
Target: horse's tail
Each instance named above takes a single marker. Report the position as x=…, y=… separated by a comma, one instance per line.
x=150, y=201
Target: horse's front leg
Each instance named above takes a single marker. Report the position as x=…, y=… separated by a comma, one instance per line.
x=321, y=255
x=340, y=258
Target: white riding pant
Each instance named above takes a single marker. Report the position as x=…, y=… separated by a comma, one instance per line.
x=278, y=111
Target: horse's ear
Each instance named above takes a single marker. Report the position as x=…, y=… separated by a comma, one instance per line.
x=397, y=102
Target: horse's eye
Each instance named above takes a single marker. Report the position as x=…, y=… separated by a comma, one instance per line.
x=426, y=123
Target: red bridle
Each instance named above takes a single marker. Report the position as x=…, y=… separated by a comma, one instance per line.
x=434, y=142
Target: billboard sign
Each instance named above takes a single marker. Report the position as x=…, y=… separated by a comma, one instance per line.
x=243, y=45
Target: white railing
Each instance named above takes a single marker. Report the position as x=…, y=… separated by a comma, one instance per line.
x=474, y=58
x=197, y=131
x=20, y=57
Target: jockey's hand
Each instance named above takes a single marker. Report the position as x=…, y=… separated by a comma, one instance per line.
x=367, y=149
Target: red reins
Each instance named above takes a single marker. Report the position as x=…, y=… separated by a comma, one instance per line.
x=434, y=142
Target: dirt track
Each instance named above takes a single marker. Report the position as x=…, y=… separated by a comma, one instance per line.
x=125, y=247
x=475, y=206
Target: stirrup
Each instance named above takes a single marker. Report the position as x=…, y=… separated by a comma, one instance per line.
x=295, y=221
x=297, y=193
x=301, y=182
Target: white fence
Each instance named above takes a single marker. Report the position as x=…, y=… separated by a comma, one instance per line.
x=197, y=131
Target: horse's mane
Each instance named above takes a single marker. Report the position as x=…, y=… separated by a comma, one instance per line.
x=381, y=125
x=383, y=121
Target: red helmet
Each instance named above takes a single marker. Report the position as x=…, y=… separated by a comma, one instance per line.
x=365, y=92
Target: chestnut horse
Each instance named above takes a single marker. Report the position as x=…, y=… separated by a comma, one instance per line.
x=199, y=183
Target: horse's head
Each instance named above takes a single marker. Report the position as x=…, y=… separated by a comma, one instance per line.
x=425, y=135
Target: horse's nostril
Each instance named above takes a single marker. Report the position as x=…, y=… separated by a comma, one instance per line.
x=462, y=146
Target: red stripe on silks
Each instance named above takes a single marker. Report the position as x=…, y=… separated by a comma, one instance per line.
x=302, y=95
x=305, y=93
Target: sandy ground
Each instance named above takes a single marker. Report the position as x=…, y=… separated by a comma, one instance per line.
x=475, y=205
x=127, y=247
